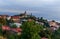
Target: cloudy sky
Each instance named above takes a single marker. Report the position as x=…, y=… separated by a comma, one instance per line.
x=49, y=9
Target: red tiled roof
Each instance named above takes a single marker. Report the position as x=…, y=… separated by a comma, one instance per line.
x=5, y=28
x=12, y=29
x=16, y=29
x=15, y=17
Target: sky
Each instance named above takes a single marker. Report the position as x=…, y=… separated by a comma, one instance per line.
x=49, y=9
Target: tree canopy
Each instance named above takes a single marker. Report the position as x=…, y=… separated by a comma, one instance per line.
x=31, y=30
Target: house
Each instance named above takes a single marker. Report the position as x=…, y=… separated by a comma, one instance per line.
x=30, y=20
x=37, y=22
x=53, y=25
x=9, y=17
x=58, y=23
x=40, y=23
x=5, y=28
x=12, y=30
x=15, y=18
x=18, y=24
x=3, y=16
x=53, y=28
x=16, y=31
x=22, y=20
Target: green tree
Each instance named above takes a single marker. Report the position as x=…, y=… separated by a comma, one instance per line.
x=56, y=34
x=41, y=19
x=11, y=36
x=13, y=26
x=0, y=29
x=30, y=30
x=3, y=21
x=46, y=33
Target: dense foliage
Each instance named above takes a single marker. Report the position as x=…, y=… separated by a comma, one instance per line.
x=30, y=30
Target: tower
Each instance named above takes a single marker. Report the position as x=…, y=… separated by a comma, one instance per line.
x=25, y=12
